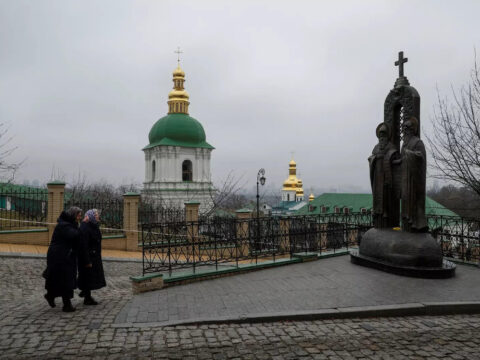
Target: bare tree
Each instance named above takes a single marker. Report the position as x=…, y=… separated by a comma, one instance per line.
x=226, y=196
x=80, y=189
x=461, y=200
x=455, y=143
x=7, y=168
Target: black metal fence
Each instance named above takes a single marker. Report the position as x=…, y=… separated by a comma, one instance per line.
x=169, y=246
x=151, y=213
x=459, y=237
x=111, y=212
x=22, y=208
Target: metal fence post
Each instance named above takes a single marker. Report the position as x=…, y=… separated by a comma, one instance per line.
x=143, y=250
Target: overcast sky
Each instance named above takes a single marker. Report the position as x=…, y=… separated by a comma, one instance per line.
x=82, y=82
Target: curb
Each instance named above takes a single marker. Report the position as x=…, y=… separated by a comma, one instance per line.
x=398, y=310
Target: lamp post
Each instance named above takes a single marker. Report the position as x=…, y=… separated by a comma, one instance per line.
x=260, y=180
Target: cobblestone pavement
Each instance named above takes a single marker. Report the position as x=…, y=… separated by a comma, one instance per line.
x=30, y=329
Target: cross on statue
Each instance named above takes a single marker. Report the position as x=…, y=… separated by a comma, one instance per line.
x=178, y=52
x=401, y=60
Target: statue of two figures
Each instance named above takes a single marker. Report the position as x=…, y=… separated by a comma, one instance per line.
x=398, y=169
x=398, y=177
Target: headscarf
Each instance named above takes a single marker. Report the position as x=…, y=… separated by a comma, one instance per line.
x=70, y=215
x=91, y=215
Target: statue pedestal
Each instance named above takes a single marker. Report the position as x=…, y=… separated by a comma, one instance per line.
x=403, y=253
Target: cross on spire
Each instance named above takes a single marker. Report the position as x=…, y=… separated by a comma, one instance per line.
x=178, y=52
x=401, y=60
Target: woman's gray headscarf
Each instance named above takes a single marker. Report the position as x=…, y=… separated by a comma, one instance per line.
x=91, y=215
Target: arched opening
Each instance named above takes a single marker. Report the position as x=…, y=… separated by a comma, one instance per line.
x=187, y=171
x=153, y=170
x=398, y=118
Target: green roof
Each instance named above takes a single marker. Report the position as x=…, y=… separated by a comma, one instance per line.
x=24, y=191
x=178, y=130
x=285, y=206
x=222, y=213
x=434, y=208
x=357, y=202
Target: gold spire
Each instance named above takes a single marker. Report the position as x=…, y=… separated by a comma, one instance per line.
x=311, y=197
x=292, y=182
x=300, y=187
x=178, y=97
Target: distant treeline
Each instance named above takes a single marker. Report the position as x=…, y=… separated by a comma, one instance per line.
x=460, y=200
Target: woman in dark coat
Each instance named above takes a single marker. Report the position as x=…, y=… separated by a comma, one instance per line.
x=60, y=275
x=90, y=269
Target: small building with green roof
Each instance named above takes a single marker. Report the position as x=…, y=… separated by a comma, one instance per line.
x=177, y=157
x=347, y=203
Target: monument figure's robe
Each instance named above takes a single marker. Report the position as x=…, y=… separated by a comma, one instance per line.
x=414, y=171
x=382, y=175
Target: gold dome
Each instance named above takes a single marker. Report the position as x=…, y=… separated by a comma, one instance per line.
x=311, y=197
x=178, y=97
x=178, y=72
x=291, y=183
x=178, y=94
x=299, y=187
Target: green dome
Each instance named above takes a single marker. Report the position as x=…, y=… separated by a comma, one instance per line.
x=178, y=130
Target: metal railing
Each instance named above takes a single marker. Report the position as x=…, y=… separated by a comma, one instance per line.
x=151, y=214
x=169, y=246
x=22, y=208
x=459, y=237
x=111, y=212
x=233, y=242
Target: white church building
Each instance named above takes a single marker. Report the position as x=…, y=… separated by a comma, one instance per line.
x=177, y=158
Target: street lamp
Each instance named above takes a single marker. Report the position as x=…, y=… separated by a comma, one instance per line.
x=260, y=180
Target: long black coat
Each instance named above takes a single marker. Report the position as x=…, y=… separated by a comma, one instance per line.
x=90, y=253
x=61, y=273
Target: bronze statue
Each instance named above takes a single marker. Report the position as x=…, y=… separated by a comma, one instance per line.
x=382, y=175
x=398, y=176
x=414, y=172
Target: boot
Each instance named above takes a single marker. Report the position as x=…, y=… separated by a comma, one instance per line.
x=50, y=300
x=67, y=305
x=89, y=301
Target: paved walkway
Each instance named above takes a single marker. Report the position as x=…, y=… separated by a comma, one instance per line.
x=42, y=250
x=330, y=283
x=29, y=328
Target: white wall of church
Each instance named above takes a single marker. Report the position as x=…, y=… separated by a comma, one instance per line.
x=166, y=182
x=288, y=195
x=168, y=164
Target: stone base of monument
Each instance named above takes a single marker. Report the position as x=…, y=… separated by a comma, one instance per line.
x=403, y=253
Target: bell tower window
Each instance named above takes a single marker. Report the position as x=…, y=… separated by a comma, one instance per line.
x=187, y=171
x=153, y=170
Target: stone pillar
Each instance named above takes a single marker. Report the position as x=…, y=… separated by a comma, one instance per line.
x=243, y=236
x=284, y=240
x=191, y=211
x=56, y=191
x=191, y=219
x=131, y=202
